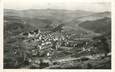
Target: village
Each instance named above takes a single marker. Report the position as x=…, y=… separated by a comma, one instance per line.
x=54, y=37
x=44, y=49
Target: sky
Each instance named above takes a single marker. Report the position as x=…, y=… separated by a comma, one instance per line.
x=88, y=5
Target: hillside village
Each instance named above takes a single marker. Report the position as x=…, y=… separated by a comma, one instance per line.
x=54, y=47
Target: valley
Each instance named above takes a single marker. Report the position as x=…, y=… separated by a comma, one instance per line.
x=57, y=39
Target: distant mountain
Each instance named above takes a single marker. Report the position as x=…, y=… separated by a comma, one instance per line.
x=95, y=16
x=98, y=26
x=38, y=17
x=46, y=13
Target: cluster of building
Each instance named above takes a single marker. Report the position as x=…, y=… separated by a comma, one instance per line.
x=44, y=41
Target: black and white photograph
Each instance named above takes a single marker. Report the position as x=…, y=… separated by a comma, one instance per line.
x=52, y=34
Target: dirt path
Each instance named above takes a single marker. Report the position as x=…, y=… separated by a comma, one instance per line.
x=88, y=56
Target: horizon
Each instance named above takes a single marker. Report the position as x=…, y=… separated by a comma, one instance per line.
x=57, y=9
x=63, y=5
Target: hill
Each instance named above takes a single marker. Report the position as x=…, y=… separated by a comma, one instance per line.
x=42, y=17
x=72, y=40
x=95, y=16
x=98, y=26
